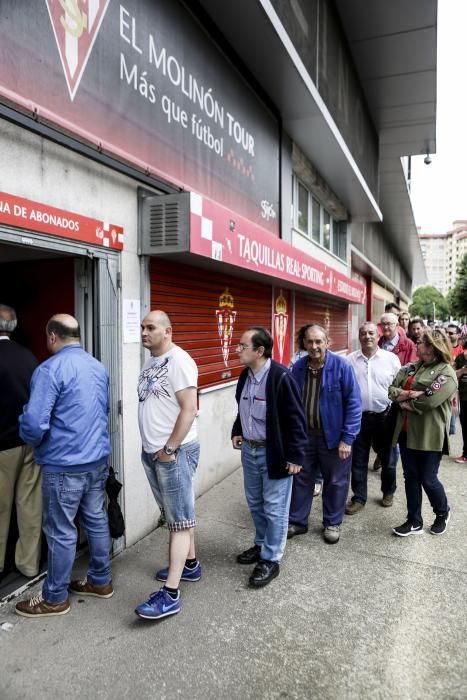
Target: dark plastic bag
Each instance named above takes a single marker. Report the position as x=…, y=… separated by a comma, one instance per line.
x=116, y=521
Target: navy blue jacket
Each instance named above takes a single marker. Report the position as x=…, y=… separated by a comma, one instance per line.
x=340, y=403
x=286, y=435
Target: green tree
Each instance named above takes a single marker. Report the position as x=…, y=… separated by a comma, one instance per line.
x=458, y=294
x=428, y=302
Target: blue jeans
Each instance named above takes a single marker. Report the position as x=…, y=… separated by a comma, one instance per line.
x=452, y=425
x=66, y=495
x=268, y=501
x=336, y=477
x=421, y=470
x=172, y=485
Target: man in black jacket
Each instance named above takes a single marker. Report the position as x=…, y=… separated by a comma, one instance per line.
x=270, y=430
x=20, y=477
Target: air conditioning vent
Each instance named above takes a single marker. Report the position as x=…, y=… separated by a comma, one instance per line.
x=165, y=223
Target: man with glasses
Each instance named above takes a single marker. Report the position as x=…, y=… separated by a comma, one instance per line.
x=394, y=339
x=270, y=430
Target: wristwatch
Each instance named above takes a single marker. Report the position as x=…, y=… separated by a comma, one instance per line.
x=169, y=450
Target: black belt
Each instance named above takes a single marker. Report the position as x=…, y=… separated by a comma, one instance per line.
x=255, y=443
x=375, y=413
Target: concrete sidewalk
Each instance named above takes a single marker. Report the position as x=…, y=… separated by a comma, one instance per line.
x=375, y=616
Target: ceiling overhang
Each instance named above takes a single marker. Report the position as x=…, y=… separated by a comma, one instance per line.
x=275, y=64
x=393, y=45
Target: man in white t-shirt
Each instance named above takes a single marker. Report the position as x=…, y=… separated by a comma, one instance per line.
x=167, y=390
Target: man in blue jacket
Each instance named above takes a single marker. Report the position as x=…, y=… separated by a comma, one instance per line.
x=270, y=430
x=333, y=407
x=66, y=421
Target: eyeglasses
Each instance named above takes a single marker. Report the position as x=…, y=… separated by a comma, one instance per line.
x=388, y=325
x=242, y=346
x=451, y=333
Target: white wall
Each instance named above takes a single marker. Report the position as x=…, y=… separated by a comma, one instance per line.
x=217, y=411
x=45, y=172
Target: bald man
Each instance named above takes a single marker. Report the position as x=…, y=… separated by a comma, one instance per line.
x=167, y=392
x=66, y=421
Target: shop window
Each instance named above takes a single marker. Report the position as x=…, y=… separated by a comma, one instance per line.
x=312, y=219
x=339, y=239
x=315, y=220
x=326, y=230
x=302, y=208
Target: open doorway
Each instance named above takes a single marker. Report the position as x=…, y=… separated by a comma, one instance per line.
x=39, y=281
x=36, y=283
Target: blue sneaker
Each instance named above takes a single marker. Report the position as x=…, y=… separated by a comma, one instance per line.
x=159, y=604
x=187, y=574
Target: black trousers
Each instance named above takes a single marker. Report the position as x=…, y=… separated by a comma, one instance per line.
x=463, y=422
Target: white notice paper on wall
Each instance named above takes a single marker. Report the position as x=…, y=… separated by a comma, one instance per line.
x=131, y=321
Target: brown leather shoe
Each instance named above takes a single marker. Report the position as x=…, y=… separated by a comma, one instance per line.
x=38, y=607
x=85, y=587
x=353, y=507
x=387, y=500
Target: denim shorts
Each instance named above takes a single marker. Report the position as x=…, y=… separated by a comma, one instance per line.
x=172, y=485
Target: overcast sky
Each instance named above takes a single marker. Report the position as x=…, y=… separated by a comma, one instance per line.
x=439, y=190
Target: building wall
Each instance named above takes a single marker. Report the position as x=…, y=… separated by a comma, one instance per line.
x=369, y=240
x=40, y=170
x=316, y=33
x=435, y=252
x=443, y=253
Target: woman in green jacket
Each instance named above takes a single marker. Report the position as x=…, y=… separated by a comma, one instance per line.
x=423, y=391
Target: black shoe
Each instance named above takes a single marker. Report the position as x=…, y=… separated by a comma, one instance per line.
x=249, y=556
x=408, y=529
x=440, y=524
x=293, y=530
x=263, y=573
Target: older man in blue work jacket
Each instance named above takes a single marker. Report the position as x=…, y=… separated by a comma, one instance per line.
x=66, y=421
x=333, y=408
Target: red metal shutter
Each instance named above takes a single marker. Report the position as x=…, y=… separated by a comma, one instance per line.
x=332, y=315
x=209, y=312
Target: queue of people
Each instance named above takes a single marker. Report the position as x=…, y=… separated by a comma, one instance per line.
x=322, y=416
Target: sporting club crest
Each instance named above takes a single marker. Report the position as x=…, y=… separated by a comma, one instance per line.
x=225, y=322
x=281, y=319
x=76, y=24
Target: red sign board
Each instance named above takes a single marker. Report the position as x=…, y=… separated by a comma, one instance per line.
x=222, y=235
x=141, y=80
x=33, y=216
